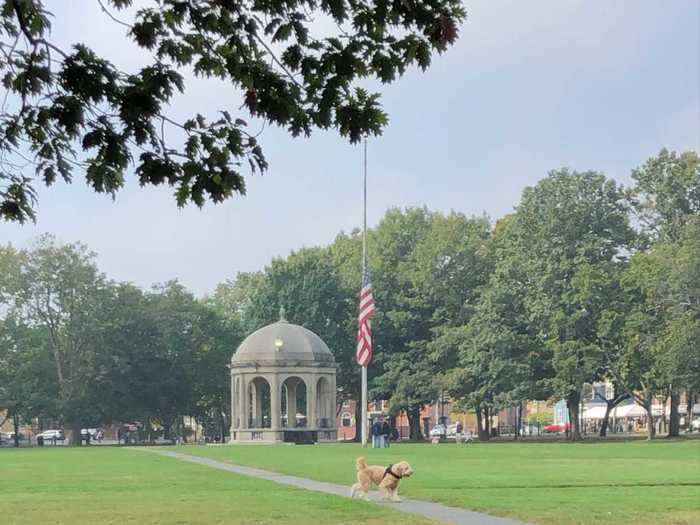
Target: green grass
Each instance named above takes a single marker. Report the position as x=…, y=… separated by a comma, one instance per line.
x=550, y=483
x=103, y=485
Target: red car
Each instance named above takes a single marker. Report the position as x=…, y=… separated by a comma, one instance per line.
x=558, y=427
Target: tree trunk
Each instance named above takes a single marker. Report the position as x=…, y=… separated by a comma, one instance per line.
x=15, y=424
x=572, y=403
x=604, y=425
x=650, y=418
x=480, y=425
x=222, y=419
x=521, y=408
x=610, y=405
x=167, y=429
x=675, y=417
x=75, y=439
x=147, y=432
x=520, y=420
x=415, y=432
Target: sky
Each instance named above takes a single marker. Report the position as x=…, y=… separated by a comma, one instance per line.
x=528, y=87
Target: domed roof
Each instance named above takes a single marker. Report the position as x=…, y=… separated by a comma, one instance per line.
x=283, y=344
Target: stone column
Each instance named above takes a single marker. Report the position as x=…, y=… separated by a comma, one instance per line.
x=311, y=411
x=275, y=399
x=291, y=403
x=333, y=400
x=234, y=399
x=244, y=401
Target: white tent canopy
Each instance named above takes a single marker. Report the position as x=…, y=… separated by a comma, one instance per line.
x=631, y=410
x=596, y=412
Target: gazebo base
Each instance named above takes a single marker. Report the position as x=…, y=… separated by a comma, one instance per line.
x=299, y=436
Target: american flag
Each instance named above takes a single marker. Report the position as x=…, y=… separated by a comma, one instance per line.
x=364, y=327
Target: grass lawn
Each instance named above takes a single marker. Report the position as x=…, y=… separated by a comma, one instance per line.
x=105, y=485
x=550, y=483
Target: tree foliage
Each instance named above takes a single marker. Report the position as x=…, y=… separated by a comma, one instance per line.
x=75, y=111
x=667, y=192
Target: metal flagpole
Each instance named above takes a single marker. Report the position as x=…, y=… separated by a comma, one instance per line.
x=364, y=263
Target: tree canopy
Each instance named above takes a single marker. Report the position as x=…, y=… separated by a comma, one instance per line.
x=73, y=111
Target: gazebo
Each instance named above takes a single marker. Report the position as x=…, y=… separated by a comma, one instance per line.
x=283, y=386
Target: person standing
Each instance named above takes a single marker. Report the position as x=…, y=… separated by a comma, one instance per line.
x=458, y=432
x=386, y=434
x=377, y=434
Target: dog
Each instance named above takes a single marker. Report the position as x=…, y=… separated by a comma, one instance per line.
x=386, y=478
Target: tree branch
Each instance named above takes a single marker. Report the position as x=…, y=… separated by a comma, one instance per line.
x=114, y=18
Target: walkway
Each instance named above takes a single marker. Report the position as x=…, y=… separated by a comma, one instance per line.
x=434, y=511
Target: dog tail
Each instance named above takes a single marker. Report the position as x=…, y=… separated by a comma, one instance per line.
x=360, y=463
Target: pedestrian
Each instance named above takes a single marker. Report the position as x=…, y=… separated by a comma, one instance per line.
x=386, y=434
x=377, y=434
x=458, y=432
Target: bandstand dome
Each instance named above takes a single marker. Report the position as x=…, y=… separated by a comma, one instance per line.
x=283, y=386
x=283, y=343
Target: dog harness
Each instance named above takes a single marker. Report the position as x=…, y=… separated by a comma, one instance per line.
x=389, y=471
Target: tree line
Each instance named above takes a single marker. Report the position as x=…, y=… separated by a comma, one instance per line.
x=79, y=350
x=587, y=280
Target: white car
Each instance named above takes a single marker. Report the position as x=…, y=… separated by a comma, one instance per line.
x=91, y=431
x=51, y=434
x=438, y=431
x=452, y=430
x=695, y=423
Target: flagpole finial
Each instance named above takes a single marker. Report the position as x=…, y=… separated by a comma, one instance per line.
x=283, y=314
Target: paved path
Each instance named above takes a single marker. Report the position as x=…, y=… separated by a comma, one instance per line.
x=434, y=511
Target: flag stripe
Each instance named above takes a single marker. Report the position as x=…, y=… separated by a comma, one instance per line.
x=364, y=328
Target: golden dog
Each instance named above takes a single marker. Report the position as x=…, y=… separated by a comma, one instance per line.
x=386, y=478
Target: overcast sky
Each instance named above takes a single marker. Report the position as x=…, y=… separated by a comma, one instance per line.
x=529, y=86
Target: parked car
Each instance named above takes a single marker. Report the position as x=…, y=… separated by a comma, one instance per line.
x=6, y=437
x=695, y=423
x=556, y=428
x=438, y=431
x=51, y=434
x=92, y=432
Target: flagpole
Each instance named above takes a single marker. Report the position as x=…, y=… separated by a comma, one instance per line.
x=364, y=263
